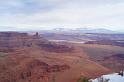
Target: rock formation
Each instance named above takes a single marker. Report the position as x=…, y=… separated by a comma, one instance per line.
x=31, y=58
x=18, y=68
x=12, y=40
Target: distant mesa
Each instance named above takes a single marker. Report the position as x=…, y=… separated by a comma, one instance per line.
x=9, y=41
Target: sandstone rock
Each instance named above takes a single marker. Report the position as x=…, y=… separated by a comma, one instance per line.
x=9, y=41
x=12, y=40
x=20, y=68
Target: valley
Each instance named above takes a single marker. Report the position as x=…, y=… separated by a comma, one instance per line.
x=32, y=58
x=61, y=40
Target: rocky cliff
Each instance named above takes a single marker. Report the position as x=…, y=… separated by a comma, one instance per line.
x=18, y=68
x=12, y=40
x=31, y=58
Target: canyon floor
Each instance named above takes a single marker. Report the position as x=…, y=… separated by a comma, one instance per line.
x=44, y=61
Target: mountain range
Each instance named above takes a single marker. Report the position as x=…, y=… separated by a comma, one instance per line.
x=84, y=30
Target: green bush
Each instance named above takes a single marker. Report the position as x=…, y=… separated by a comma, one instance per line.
x=83, y=79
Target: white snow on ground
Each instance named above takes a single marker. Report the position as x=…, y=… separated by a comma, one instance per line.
x=112, y=78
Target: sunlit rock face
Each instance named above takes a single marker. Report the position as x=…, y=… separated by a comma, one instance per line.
x=20, y=68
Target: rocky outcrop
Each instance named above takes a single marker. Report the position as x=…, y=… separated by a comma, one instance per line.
x=18, y=68
x=107, y=42
x=115, y=62
x=9, y=41
x=58, y=68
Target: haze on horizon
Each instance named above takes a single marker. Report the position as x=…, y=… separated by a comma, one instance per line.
x=48, y=14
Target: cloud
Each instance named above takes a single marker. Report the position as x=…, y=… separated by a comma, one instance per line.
x=65, y=13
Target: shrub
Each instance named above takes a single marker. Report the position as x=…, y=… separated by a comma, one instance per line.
x=83, y=79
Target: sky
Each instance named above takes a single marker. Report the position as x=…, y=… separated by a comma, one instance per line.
x=48, y=14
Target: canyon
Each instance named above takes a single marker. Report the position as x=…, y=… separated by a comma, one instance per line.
x=32, y=58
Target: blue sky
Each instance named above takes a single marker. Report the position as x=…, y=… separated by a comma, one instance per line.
x=47, y=14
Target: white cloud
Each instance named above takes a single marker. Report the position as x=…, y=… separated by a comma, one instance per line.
x=67, y=13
